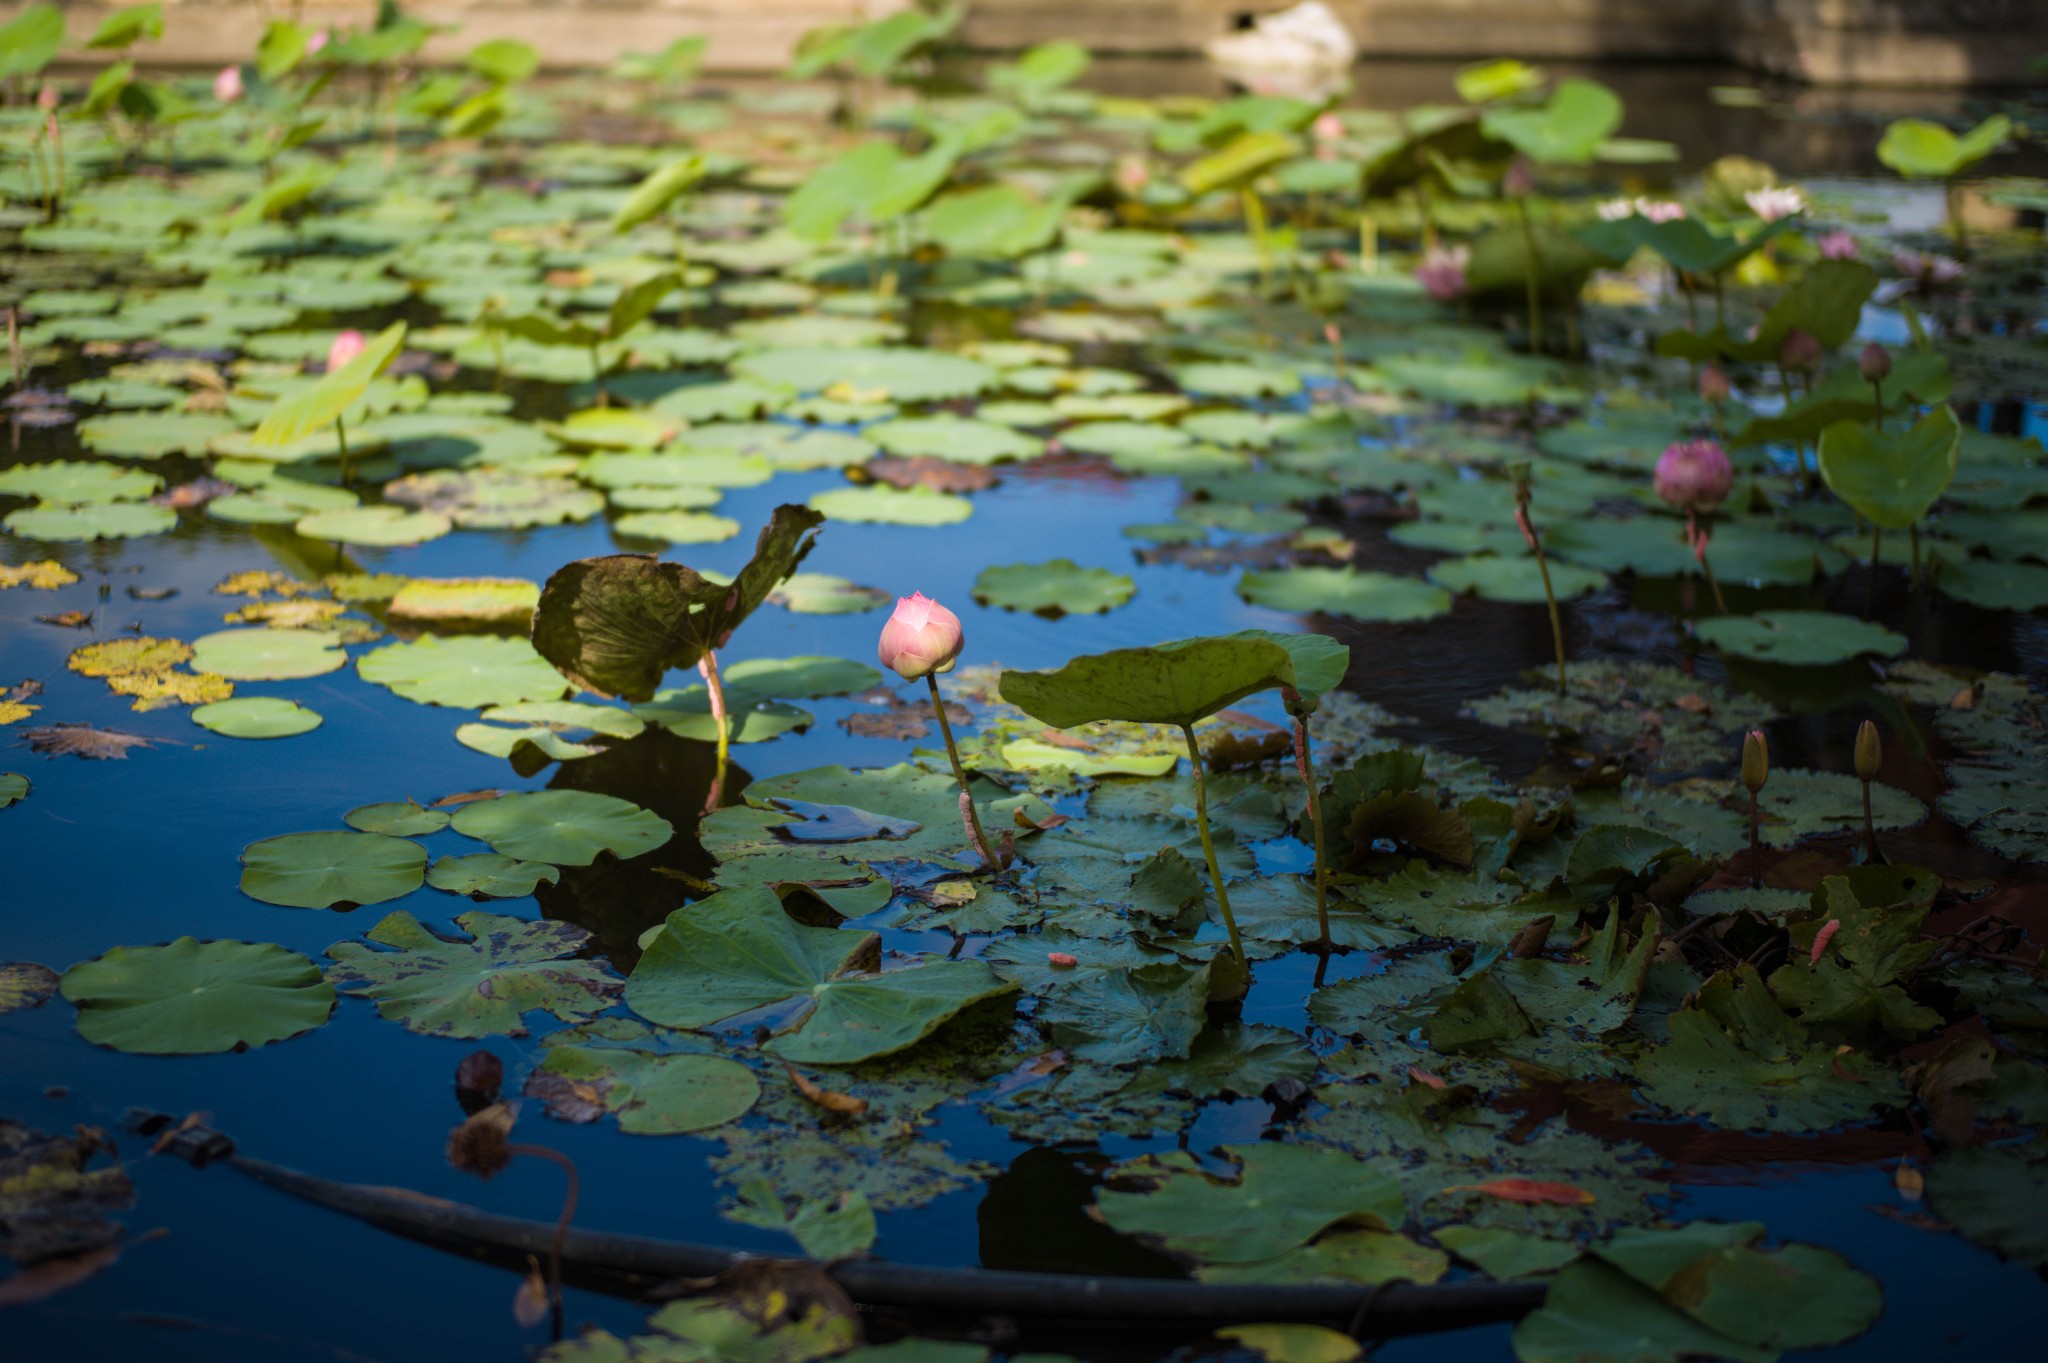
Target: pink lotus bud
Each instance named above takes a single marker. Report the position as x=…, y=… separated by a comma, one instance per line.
x=921, y=638
x=1799, y=352
x=1615, y=210
x=46, y=99
x=1927, y=270
x=346, y=347
x=227, y=86
x=1132, y=174
x=1520, y=179
x=1660, y=210
x=1327, y=127
x=1874, y=364
x=1442, y=272
x=1694, y=475
x=1837, y=245
x=1714, y=385
x=318, y=41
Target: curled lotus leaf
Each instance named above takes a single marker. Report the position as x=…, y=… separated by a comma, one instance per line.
x=615, y=624
x=1176, y=683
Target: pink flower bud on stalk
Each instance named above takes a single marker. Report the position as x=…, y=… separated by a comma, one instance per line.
x=346, y=347
x=317, y=42
x=227, y=86
x=1756, y=769
x=1694, y=475
x=1520, y=180
x=1441, y=272
x=1869, y=758
x=1799, y=353
x=1327, y=127
x=922, y=639
x=1714, y=385
x=1132, y=174
x=1839, y=244
x=1874, y=364
x=47, y=99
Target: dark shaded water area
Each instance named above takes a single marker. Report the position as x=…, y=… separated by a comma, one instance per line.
x=140, y=850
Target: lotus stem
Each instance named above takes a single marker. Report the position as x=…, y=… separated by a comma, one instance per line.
x=1209, y=846
x=707, y=667
x=1528, y=529
x=1255, y=223
x=1914, y=531
x=1534, y=290
x=1870, y=583
x=341, y=439
x=1756, y=856
x=973, y=816
x=1870, y=828
x=1315, y=818
x=1952, y=195
x=597, y=376
x=569, y=1196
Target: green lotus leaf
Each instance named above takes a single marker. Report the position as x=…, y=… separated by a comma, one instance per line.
x=1176, y=683
x=904, y=373
x=1282, y=1197
x=1358, y=595
x=961, y=440
x=737, y=952
x=318, y=407
x=1052, y=589
x=197, y=998
x=615, y=625
x=466, y=672
x=1892, y=477
x=1799, y=638
x=892, y=506
x=379, y=526
x=66, y=482
x=321, y=870
x=267, y=654
x=256, y=717
x=489, y=874
x=564, y=827
x=397, y=819
x=97, y=521
x=483, y=986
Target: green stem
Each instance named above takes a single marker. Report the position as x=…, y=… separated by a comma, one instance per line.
x=1315, y=816
x=1914, y=531
x=1870, y=583
x=341, y=438
x=597, y=375
x=981, y=842
x=1255, y=223
x=1556, y=620
x=1953, y=194
x=1534, y=267
x=1869, y=828
x=1208, y=846
x=707, y=667
x=1756, y=861
x=561, y=1237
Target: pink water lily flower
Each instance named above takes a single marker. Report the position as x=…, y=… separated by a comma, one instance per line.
x=1694, y=475
x=227, y=86
x=1778, y=201
x=1836, y=245
x=1926, y=269
x=346, y=347
x=920, y=638
x=1441, y=272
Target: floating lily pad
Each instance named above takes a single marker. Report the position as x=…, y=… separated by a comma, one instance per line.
x=489, y=874
x=823, y=594
x=466, y=602
x=738, y=952
x=1360, y=595
x=960, y=440
x=256, y=717
x=98, y=521
x=676, y=527
x=321, y=870
x=1283, y=1195
x=480, y=987
x=197, y=998
x=397, y=819
x=892, y=506
x=1052, y=589
x=267, y=654
x=381, y=526
x=13, y=786
x=1496, y=578
x=1799, y=638
x=466, y=672
x=903, y=374
x=564, y=827
x=651, y=1093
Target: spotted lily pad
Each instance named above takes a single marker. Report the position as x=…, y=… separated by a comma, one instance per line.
x=651, y=1092
x=483, y=986
x=563, y=827
x=197, y=998
x=321, y=870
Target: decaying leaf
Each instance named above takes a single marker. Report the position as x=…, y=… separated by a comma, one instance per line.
x=1535, y=1192
x=483, y=1144
x=843, y=1103
x=83, y=740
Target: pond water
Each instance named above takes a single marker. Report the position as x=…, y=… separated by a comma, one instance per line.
x=138, y=851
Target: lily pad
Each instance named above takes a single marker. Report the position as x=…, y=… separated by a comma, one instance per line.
x=739, y=953
x=903, y=374
x=197, y=998
x=492, y=875
x=892, y=506
x=1799, y=638
x=267, y=654
x=1283, y=1196
x=481, y=987
x=256, y=717
x=467, y=672
x=563, y=827
x=321, y=870
x=1360, y=595
x=1052, y=589
x=97, y=521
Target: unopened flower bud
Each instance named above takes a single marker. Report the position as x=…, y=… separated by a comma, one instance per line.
x=921, y=638
x=346, y=347
x=1874, y=364
x=1800, y=352
x=1519, y=181
x=1714, y=385
x=1869, y=752
x=1694, y=475
x=1756, y=760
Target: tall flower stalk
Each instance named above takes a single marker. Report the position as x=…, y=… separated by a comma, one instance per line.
x=1520, y=473
x=1756, y=769
x=1298, y=711
x=922, y=639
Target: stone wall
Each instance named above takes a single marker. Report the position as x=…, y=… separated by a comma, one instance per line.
x=1826, y=42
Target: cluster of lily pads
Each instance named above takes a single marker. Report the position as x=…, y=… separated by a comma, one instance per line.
x=1152, y=882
